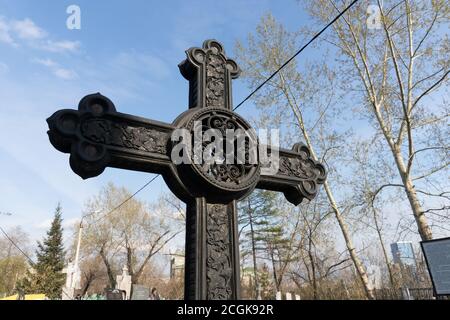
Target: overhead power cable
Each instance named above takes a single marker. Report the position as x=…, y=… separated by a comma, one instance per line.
x=296, y=54
x=17, y=246
x=118, y=206
x=125, y=201
x=243, y=101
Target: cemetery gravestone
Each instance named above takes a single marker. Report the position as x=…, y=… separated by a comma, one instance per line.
x=114, y=294
x=140, y=292
x=278, y=295
x=73, y=281
x=123, y=282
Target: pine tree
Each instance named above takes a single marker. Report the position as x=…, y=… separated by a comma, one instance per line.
x=267, y=292
x=47, y=276
x=262, y=232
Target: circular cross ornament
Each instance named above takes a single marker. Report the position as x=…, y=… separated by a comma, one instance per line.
x=223, y=155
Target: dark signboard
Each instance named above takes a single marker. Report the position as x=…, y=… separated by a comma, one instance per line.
x=437, y=256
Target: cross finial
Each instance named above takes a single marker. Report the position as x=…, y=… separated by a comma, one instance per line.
x=209, y=73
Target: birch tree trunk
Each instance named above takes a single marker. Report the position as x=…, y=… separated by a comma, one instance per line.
x=361, y=271
x=422, y=224
x=393, y=66
x=274, y=48
x=337, y=212
x=383, y=247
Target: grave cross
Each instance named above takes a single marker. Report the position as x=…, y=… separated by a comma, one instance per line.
x=97, y=136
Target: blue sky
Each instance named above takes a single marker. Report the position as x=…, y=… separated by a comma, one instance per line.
x=128, y=51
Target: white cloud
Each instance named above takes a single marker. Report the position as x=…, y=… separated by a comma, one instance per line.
x=27, y=29
x=57, y=70
x=68, y=223
x=60, y=46
x=65, y=74
x=32, y=35
x=5, y=35
x=46, y=62
x=44, y=224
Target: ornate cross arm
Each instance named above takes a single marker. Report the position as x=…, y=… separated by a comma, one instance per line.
x=96, y=136
x=298, y=175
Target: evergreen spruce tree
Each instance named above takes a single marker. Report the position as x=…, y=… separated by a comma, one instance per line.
x=47, y=276
x=262, y=235
x=267, y=292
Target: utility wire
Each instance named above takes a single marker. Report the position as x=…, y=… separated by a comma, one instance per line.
x=17, y=246
x=125, y=201
x=114, y=209
x=117, y=207
x=242, y=102
x=296, y=54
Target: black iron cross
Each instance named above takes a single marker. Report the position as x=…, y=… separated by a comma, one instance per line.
x=97, y=136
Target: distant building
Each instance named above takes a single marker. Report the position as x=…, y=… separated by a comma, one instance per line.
x=177, y=265
x=403, y=253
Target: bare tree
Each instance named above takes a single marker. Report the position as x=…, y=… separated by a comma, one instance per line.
x=92, y=272
x=13, y=265
x=398, y=69
x=317, y=258
x=131, y=235
x=375, y=171
x=291, y=95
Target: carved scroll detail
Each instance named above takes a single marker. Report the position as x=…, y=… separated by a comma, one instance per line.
x=123, y=135
x=215, y=80
x=302, y=165
x=296, y=167
x=237, y=175
x=218, y=259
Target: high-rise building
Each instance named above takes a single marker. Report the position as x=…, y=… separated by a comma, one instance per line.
x=403, y=253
